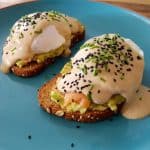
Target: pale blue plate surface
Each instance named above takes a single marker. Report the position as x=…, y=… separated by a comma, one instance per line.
x=20, y=114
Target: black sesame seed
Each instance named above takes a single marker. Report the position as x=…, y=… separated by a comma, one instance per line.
x=126, y=62
x=139, y=58
x=26, y=29
x=137, y=90
x=121, y=48
x=110, y=119
x=89, y=81
x=129, y=69
x=131, y=59
x=148, y=90
x=129, y=50
x=114, y=80
x=115, y=73
x=78, y=88
x=98, y=91
x=108, y=70
x=91, y=70
x=29, y=137
x=111, y=62
x=131, y=65
x=72, y=145
x=77, y=126
x=85, y=86
x=84, y=80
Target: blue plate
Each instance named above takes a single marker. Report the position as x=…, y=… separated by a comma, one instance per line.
x=25, y=126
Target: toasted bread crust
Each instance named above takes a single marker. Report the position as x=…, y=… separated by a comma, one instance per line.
x=53, y=108
x=31, y=69
x=34, y=68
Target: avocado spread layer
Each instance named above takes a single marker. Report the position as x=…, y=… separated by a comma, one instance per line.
x=58, y=98
x=42, y=57
x=112, y=103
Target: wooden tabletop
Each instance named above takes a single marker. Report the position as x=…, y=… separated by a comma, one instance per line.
x=140, y=6
x=134, y=5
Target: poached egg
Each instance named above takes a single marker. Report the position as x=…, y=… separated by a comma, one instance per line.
x=38, y=33
x=104, y=66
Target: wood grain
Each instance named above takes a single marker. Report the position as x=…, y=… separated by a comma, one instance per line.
x=140, y=6
x=142, y=9
x=146, y=2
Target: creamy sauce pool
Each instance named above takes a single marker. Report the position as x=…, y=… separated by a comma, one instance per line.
x=139, y=105
x=108, y=65
x=24, y=33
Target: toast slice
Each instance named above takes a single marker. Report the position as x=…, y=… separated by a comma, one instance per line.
x=53, y=108
x=34, y=68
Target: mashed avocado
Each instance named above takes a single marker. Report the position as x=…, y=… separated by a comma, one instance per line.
x=57, y=97
x=66, y=69
x=114, y=101
x=42, y=57
x=73, y=107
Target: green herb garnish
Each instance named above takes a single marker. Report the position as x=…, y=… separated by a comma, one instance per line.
x=89, y=96
x=21, y=35
x=38, y=31
x=102, y=79
x=84, y=69
x=12, y=50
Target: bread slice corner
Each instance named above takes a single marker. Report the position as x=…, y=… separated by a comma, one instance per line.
x=53, y=108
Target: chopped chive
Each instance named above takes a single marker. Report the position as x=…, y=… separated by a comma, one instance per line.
x=38, y=31
x=84, y=69
x=95, y=72
x=89, y=96
x=122, y=77
x=91, y=87
x=12, y=50
x=140, y=98
x=102, y=79
x=70, y=25
x=21, y=35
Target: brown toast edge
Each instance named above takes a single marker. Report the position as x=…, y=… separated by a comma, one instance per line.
x=53, y=108
x=33, y=68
